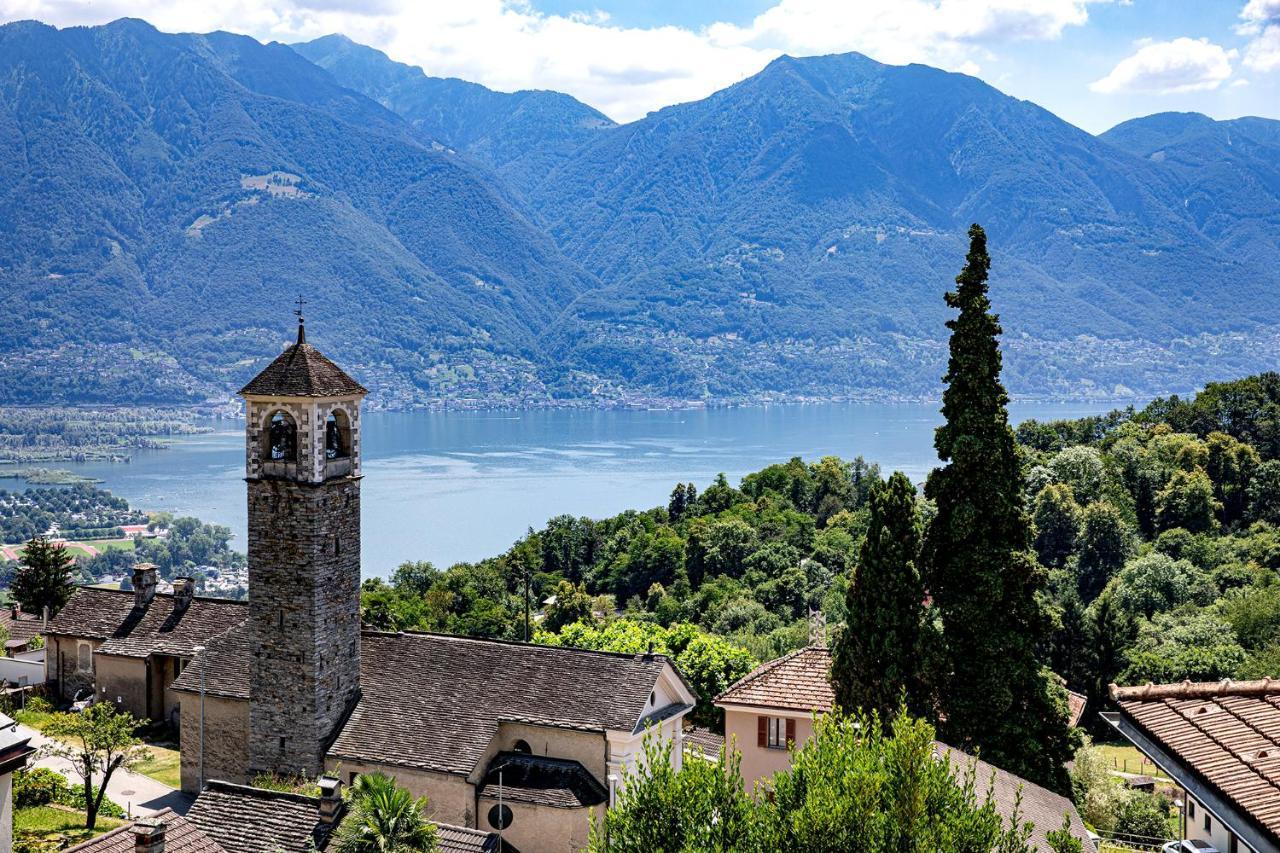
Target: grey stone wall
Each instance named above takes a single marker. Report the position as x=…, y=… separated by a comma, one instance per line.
x=304, y=618
x=226, y=739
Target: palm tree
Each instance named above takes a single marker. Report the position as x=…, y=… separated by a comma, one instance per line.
x=385, y=819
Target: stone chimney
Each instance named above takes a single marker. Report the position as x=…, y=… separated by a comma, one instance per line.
x=183, y=590
x=144, y=584
x=330, y=799
x=16, y=611
x=148, y=836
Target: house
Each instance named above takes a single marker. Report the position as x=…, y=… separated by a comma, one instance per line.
x=129, y=646
x=527, y=739
x=236, y=819
x=15, y=749
x=771, y=710
x=1220, y=742
x=21, y=628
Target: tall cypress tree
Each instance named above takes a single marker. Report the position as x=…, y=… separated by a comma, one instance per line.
x=877, y=657
x=996, y=694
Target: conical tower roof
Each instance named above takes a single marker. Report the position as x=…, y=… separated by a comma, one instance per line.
x=303, y=371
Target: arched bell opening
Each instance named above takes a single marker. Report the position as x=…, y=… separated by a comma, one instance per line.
x=280, y=438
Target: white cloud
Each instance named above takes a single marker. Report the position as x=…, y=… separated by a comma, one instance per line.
x=1263, y=53
x=624, y=71
x=1170, y=67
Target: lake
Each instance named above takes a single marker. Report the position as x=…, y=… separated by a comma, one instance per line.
x=452, y=486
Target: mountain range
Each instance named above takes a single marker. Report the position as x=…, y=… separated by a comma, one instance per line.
x=167, y=197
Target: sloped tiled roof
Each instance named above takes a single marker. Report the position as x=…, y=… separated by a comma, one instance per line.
x=302, y=371
x=798, y=681
x=225, y=665
x=180, y=836
x=129, y=631
x=465, y=687
x=21, y=627
x=704, y=742
x=242, y=819
x=1042, y=807
x=1076, y=703
x=459, y=839
x=542, y=781
x=1227, y=733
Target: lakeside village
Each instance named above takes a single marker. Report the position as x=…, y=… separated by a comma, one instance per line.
x=822, y=659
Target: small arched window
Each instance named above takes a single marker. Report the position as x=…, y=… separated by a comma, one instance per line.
x=282, y=438
x=337, y=435
x=521, y=746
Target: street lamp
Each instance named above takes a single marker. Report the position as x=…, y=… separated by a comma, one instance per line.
x=199, y=650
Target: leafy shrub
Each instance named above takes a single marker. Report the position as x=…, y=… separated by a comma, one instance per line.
x=38, y=786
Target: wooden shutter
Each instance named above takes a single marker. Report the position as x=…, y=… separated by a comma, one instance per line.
x=762, y=732
x=791, y=731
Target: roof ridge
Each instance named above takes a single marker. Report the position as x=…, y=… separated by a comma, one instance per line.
x=260, y=793
x=520, y=643
x=1197, y=689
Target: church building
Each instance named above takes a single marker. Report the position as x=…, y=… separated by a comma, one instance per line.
x=523, y=739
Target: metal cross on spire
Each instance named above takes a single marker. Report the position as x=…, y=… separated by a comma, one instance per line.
x=302, y=335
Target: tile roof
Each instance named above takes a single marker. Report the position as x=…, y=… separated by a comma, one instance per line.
x=225, y=664
x=542, y=781
x=465, y=687
x=797, y=681
x=1076, y=703
x=242, y=819
x=705, y=742
x=434, y=701
x=1043, y=808
x=110, y=615
x=459, y=839
x=181, y=836
x=1227, y=733
x=21, y=627
x=302, y=371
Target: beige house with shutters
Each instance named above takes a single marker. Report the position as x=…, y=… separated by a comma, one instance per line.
x=773, y=707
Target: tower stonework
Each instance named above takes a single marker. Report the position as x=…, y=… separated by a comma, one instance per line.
x=302, y=466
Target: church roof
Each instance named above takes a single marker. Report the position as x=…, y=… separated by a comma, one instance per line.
x=466, y=687
x=302, y=371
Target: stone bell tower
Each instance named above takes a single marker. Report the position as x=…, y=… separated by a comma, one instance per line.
x=302, y=465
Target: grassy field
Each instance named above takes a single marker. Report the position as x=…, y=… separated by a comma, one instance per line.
x=1127, y=759
x=165, y=766
x=58, y=824
x=114, y=544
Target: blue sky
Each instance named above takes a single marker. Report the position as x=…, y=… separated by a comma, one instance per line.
x=1093, y=62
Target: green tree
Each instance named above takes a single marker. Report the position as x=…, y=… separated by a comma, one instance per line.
x=384, y=818
x=97, y=742
x=1082, y=469
x=1154, y=583
x=1230, y=466
x=1264, y=492
x=414, y=577
x=1103, y=546
x=996, y=692
x=876, y=659
x=729, y=542
x=43, y=578
x=1187, y=501
x=572, y=604
x=1057, y=522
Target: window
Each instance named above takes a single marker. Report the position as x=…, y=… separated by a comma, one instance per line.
x=282, y=744
x=84, y=657
x=337, y=547
x=521, y=746
x=1208, y=823
x=775, y=732
x=1191, y=807
x=1233, y=843
x=500, y=817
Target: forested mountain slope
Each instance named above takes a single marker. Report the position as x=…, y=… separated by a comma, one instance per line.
x=166, y=197
x=520, y=134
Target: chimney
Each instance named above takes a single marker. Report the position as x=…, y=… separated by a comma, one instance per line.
x=16, y=611
x=330, y=799
x=144, y=584
x=148, y=836
x=183, y=590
